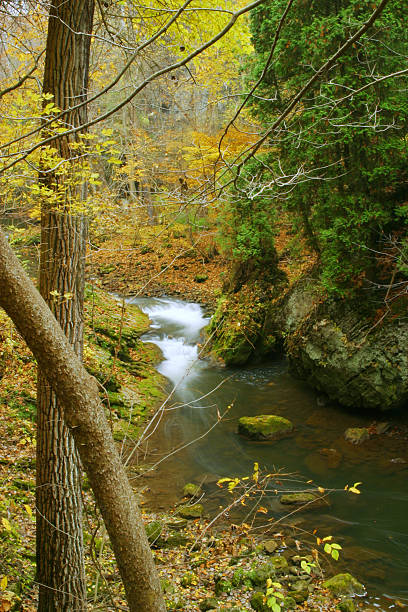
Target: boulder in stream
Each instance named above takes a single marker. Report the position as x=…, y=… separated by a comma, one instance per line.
x=192, y=490
x=344, y=585
x=356, y=435
x=308, y=501
x=264, y=427
x=194, y=511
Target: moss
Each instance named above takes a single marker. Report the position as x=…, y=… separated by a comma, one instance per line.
x=24, y=485
x=289, y=603
x=223, y=586
x=356, y=435
x=347, y=605
x=309, y=500
x=189, y=579
x=258, y=603
x=264, y=427
x=191, y=512
x=208, y=604
x=153, y=531
x=344, y=585
x=127, y=371
x=275, y=565
x=192, y=490
x=238, y=331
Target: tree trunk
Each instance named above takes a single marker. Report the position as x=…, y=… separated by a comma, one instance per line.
x=60, y=559
x=83, y=414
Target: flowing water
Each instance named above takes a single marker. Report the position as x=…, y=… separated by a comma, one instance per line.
x=371, y=527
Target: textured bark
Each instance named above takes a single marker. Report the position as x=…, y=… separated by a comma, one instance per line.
x=83, y=414
x=60, y=560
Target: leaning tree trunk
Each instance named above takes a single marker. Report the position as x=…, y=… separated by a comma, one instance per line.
x=83, y=414
x=60, y=558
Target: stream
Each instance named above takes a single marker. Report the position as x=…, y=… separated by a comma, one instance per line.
x=371, y=527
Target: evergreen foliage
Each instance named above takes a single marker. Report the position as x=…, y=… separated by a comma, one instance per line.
x=339, y=162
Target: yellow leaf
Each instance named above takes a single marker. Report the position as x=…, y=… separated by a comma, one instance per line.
x=320, y=489
x=28, y=510
x=219, y=482
x=6, y=524
x=3, y=583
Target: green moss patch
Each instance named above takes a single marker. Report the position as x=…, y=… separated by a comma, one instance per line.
x=264, y=427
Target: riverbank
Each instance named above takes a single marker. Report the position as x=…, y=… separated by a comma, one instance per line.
x=131, y=390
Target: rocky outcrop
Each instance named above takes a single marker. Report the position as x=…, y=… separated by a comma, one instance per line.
x=354, y=351
x=339, y=349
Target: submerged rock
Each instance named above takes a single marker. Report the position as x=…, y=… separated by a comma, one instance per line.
x=344, y=585
x=310, y=501
x=264, y=427
x=269, y=546
x=332, y=457
x=356, y=435
x=192, y=490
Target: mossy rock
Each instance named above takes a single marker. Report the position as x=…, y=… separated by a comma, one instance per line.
x=223, y=586
x=299, y=594
x=347, y=605
x=275, y=565
x=175, y=539
x=258, y=602
x=192, y=490
x=356, y=435
x=310, y=501
x=269, y=546
x=153, y=531
x=208, y=604
x=191, y=512
x=278, y=563
x=264, y=427
x=289, y=603
x=344, y=585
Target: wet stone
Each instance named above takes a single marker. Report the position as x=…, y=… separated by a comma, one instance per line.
x=344, y=585
x=356, y=435
x=310, y=501
x=264, y=427
x=191, y=512
x=331, y=456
